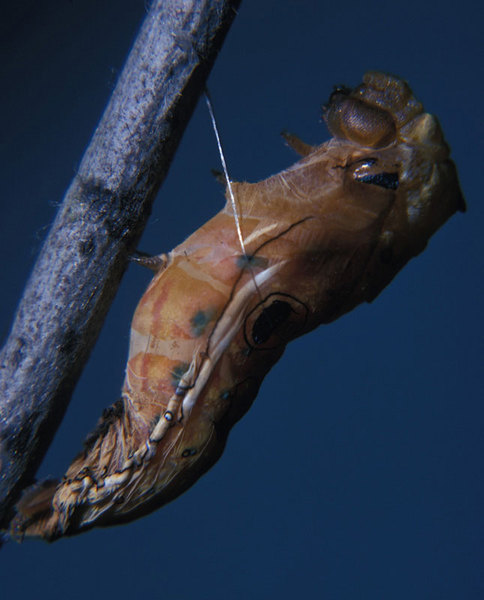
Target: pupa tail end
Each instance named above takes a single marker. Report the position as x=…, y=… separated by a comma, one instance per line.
x=35, y=513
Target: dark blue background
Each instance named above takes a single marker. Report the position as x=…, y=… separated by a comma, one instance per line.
x=358, y=471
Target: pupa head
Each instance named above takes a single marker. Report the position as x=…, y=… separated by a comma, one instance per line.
x=399, y=147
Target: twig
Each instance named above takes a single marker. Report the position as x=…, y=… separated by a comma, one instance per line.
x=98, y=225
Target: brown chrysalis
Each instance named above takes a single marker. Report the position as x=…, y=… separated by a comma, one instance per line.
x=313, y=242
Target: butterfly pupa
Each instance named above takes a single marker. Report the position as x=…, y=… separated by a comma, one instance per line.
x=319, y=238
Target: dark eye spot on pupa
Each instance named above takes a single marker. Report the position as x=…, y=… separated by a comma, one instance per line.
x=178, y=372
x=269, y=320
x=189, y=452
x=250, y=260
x=389, y=181
x=200, y=320
x=226, y=394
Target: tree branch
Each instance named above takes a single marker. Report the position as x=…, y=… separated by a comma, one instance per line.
x=99, y=223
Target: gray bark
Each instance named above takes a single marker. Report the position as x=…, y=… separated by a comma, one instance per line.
x=98, y=225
